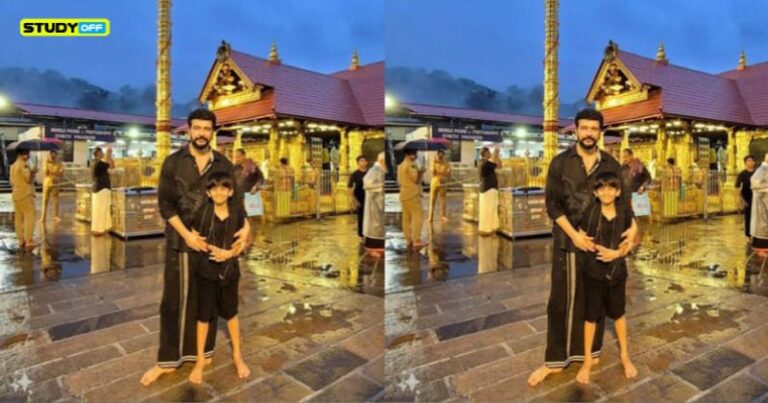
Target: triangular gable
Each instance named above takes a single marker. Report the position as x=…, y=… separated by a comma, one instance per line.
x=226, y=84
x=615, y=84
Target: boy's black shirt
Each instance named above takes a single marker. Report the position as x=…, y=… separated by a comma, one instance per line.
x=605, y=233
x=219, y=233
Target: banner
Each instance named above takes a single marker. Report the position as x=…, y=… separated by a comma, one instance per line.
x=451, y=133
x=75, y=133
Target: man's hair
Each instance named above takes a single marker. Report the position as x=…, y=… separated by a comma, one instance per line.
x=484, y=150
x=360, y=157
x=440, y=152
x=219, y=179
x=409, y=152
x=748, y=157
x=54, y=152
x=97, y=150
x=607, y=179
x=589, y=114
x=201, y=114
x=22, y=151
x=628, y=151
x=241, y=151
x=671, y=161
x=284, y=161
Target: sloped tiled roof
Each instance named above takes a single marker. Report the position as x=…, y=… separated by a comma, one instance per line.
x=347, y=98
x=737, y=97
x=475, y=114
x=87, y=114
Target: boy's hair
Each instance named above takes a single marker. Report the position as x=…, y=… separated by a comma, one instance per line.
x=671, y=161
x=361, y=157
x=220, y=179
x=607, y=179
x=749, y=157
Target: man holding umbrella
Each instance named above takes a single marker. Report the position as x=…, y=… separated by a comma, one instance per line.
x=23, y=194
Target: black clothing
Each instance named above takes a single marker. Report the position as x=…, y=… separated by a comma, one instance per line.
x=570, y=190
x=181, y=190
x=178, y=313
x=488, y=178
x=100, y=176
x=246, y=182
x=639, y=180
x=216, y=300
x=221, y=234
x=603, y=299
x=606, y=233
x=744, y=181
x=356, y=180
x=565, y=313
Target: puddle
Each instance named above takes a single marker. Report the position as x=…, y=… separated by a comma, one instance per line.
x=304, y=319
x=691, y=319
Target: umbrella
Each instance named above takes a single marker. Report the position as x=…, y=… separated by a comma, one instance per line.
x=433, y=144
x=46, y=144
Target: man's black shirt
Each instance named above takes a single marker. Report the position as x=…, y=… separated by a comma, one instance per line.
x=356, y=179
x=744, y=180
x=181, y=191
x=570, y=190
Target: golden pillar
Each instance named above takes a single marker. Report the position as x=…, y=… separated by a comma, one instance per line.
x=238, y=141
x=356, y=139
x=297, y=156
x=551, y=98
x=163, y=94
x=661, y=146
x=273, y=144
x=345, y=158
x=214, y=143
x=625, y=139
x=743, y=138
x=684, y=150
x=731, y=151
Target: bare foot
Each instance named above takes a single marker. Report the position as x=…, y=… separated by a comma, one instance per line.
x=208, y=361
x=629, y=369
x=595, y=361
x=444, y=219
x=541, y=373
x=151, y=376
x=196, y=376
x=56, y=219
x=419, y=245
x=583, y=376
x=242, y=370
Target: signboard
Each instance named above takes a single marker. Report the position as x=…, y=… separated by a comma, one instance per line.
x=460, y=134
x=75, y=133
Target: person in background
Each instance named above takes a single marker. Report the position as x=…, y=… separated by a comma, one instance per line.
x=23, y=195
x=441, y=172
x=409, y=178
x=635, y=173
x=373, y=224
x=357, y=191
x=743, y=182
x=54, y=172
x=488, y=202
x=101, y=198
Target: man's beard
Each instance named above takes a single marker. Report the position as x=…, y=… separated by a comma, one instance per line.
x=201, y=147
x=584, y=145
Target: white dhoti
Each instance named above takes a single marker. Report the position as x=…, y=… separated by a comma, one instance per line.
x=488, y=214
x=101, y=211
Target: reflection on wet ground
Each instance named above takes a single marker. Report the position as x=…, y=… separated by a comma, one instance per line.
x=324, y=252
x=714, y=252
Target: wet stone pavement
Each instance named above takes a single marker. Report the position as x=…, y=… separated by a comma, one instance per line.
x=86, y=328
x=697, y=310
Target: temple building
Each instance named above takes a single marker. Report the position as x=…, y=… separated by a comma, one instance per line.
x=663, y=110
x=315, y=120
x=706, y=122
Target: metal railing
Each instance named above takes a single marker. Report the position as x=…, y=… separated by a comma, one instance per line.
x=309, y=193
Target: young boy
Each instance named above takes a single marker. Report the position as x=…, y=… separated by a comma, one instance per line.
x=217, y=270
x=605, y=271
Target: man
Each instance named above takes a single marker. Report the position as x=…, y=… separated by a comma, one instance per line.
x=101, y=197
x=745, y=190
x=409, y=178
x=181, y=193
x=569, y=194
x=54, y=171
x=634, y=172
x=441, y=172
x=373, y=229
x=248, y=176
x=23, y=195
x=356, y=189
x=488, y=199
